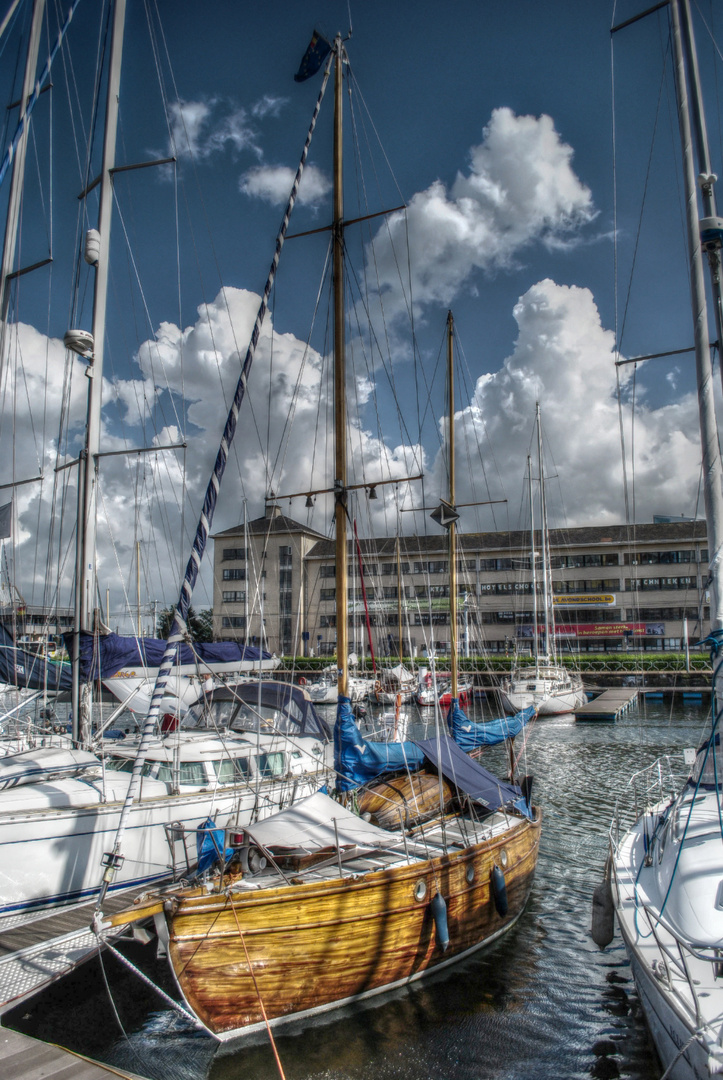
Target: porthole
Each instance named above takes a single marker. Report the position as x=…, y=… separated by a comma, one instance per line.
x=469, y=873
x=420, y=889
x=503, y=857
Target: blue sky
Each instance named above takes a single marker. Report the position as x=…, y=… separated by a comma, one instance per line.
x=446, y=89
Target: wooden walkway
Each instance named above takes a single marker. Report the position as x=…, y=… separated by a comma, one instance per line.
x=24, y=1058
x=37, y=950
x=608, y=706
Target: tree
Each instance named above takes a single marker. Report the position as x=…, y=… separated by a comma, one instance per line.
x=200, y=626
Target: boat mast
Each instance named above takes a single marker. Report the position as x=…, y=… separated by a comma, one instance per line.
x=453, y=525
x=545, y=545
x=340, y=474
x=85, y=565
x=712, y=472
x=535, y=633
x=706, y=177
x=399, y=603
x=18, y=175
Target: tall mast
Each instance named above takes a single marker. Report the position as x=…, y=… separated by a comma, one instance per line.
x=712, y=472
x=18, y=176
x=544, y=541
x=706, y=178
x=453, y=525
x=535, y=633
x=399, y=601
x=340, y=477
x=85, y=562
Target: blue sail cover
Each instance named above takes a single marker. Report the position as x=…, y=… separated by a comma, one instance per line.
x=115, y=652
x=358, y=761
x=468, y=775
x=468, y=734
x=20, y=667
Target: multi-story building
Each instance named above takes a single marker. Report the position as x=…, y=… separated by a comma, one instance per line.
x=642, y=587
x=260, y=580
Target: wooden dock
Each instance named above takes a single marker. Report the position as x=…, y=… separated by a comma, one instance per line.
x=24, y=1058
x=35, y=950
x=609, y=705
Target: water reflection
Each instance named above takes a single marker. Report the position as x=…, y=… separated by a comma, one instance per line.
x=542, y=1002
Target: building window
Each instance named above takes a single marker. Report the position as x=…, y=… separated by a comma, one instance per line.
x=233, y=622
x=327, y=594
x=327, y=620
x=328, y=571
x=234, y=575
x=285, y=579
x=285, y=603
x=495, y=564
x=432, y=567
x=389, y=568
x=233, y=553
x=234, y=597
x=285, y=557
x=650, y=558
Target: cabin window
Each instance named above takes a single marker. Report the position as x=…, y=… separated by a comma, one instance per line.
x=271, y=764
x=192, y=772
x=119, y=764
x=231, y=770
x=164, y=773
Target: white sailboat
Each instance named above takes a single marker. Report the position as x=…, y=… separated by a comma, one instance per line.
x=60, y=813
x=547, y=684
x=667, y=847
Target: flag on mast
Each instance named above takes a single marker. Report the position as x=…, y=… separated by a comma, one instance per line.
x=313, y=58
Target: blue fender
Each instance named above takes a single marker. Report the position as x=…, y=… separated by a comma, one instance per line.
x=499, y=891
x=439, y=912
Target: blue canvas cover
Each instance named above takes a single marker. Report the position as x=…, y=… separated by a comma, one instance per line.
x=468, y=775
x=209, y=844
x=20, y=667
x=468, y=734
x=115, y=652
x=358, y=761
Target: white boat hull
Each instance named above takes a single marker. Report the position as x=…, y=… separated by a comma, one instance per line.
x=551, y=690
x=681, y=995
x=53, y=835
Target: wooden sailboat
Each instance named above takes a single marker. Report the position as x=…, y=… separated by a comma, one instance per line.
x=317, y=907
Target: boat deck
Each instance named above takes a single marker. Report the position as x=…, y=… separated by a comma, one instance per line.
x=608, y=706
x=427, y=841
x=35, y=950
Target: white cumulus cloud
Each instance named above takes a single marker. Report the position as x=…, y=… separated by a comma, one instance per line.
x=519, y=188
x=273, y=184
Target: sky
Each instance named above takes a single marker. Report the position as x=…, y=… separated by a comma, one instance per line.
x=539, y=168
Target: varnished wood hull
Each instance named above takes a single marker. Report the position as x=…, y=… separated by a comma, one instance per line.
x=314, y=946
x=404, y=800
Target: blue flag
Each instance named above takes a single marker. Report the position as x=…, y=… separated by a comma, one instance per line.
x=313, y=58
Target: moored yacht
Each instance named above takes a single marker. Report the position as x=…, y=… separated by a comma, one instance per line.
x=59, y=810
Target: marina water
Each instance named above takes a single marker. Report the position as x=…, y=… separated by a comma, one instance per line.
x=542, y=1002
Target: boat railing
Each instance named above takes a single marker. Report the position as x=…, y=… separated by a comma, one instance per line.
x=674, y=970
x=646, y=788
